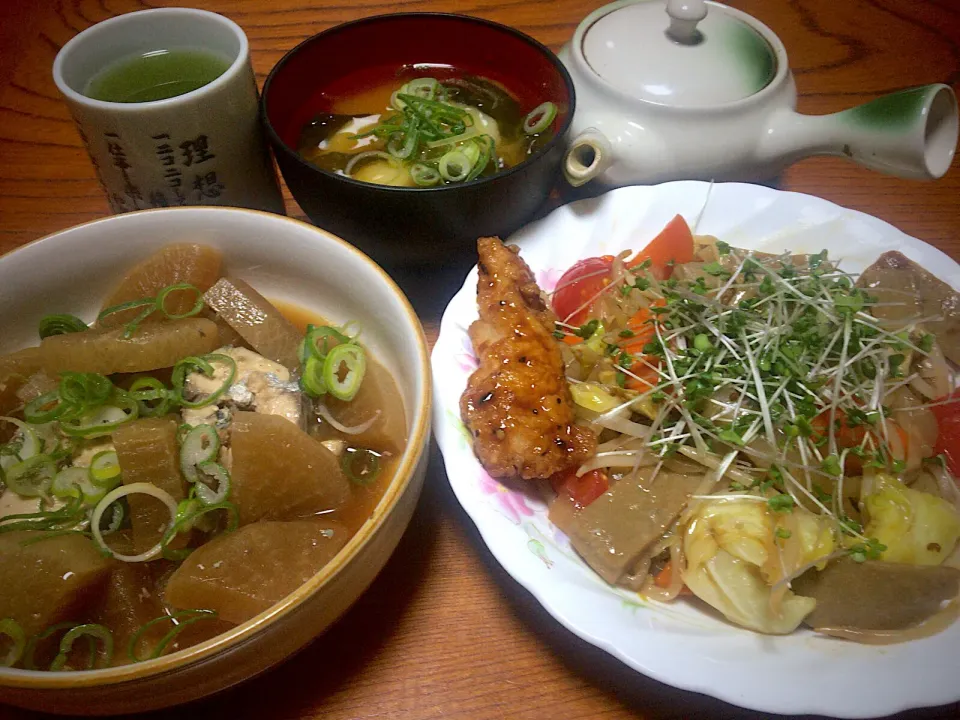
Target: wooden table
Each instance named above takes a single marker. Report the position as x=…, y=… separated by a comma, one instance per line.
x=444, y=632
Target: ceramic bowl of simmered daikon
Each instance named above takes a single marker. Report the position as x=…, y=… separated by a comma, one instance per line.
x=213, y=426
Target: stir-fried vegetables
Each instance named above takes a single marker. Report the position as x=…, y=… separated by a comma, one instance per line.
x=813, y=423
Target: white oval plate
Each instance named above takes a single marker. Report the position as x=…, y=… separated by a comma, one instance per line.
x=681, y=644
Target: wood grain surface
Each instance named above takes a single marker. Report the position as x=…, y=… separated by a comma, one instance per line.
x=444, y=632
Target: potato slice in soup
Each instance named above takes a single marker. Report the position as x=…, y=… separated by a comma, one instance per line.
x=279, y=472
x=47, y=580
x=150, y=347
x=241, y=574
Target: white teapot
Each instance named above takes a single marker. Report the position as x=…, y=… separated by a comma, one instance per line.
x=703, y=91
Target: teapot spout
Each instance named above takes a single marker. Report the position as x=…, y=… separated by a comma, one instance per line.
x=910, y=134
x=588, y=156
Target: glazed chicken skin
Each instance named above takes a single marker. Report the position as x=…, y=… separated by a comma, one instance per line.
x=517, y=404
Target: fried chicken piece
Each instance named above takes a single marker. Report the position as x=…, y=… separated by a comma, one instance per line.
x=517, y=403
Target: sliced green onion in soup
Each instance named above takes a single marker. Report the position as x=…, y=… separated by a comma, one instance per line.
x=82, y=392
x=18, y=642
x=311, y=380
x=200, y=444
x=61, y=324
x=219, y=476
x=24, y=447
x=181, y=620
x=76, y=482
x=540, y=118
x=454, y=166
x=31, y=477
x=103, y=420
x=118, y=514
x=343, y=371
x=426, y=88
x=152, y=396
x=369, y=155
x=187, y=513
x=204, y=366
x=319, y=340
x=105, y=468
x=97, y=634
x=180, y=287
x=360, y=465
x=44, y=408
x=488, y=149
x=423, y=175
x=110, y=498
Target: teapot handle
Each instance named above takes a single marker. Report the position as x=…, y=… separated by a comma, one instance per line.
x=587, y=157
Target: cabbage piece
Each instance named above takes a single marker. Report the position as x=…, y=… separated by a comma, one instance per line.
x=916, y=527
x=593, y=397
x=730, y=550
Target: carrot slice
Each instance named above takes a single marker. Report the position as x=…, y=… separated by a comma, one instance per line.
x=673, y=246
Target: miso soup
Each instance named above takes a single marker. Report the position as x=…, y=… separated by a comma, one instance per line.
x=415, y=129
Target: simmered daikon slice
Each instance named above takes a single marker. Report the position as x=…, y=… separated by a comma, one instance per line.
x=378, y=393
x=150, y=347
x=242, y=573
x=197, y=265
x=149, y=453
x=280, y=472
x=257, y=321
x=129, y=601
x=47, y=580
x=22, y=362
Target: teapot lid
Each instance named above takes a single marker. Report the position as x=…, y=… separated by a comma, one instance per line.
x=696, y=54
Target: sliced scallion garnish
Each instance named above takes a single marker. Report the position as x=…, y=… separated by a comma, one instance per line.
x=181, y=620
x=203, y=365
x=540, y=118
x=110, y=498
x=200, y=444
x=61, y=324
x=454, y=166
x=219, y=475
x=152, y=396
x=186, y=515
x=180, y=287
x=311, y=380
x=102, y=420
x=18, y=642
x=343, y=371
x=31, y=477
x=150, y=305
x=360, y=465
x=95, y=634
x=105, y=469
x=424, y=175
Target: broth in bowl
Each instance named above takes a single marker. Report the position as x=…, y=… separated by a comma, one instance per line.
x=181, y=465
x=411, y=129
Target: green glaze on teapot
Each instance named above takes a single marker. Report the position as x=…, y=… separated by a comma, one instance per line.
x=694, y=89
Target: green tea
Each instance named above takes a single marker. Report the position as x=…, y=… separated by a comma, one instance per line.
x=156, y=75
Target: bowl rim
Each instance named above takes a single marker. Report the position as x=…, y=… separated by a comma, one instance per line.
x=413, y=454
x=281, y=147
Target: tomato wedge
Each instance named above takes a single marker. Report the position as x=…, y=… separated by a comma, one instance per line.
x=673, y=246
x=584, y=489
x=588, y=277
x=948, y=441
x=578, y=285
